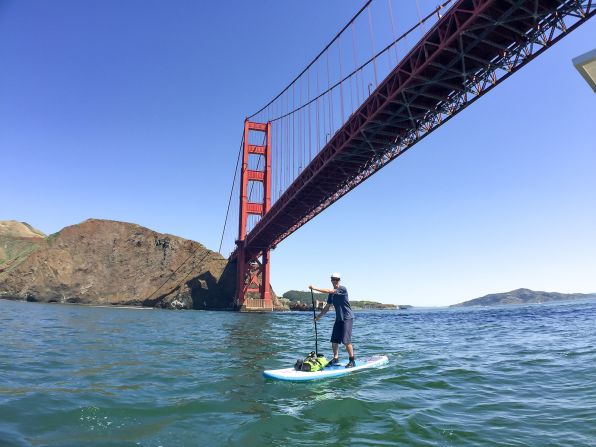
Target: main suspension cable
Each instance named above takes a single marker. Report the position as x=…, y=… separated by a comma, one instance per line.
x=373, y=58
x=314, y=60
x=231, y=192
x=193, y=254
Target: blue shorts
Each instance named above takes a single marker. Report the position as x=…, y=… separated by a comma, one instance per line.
x=342, y=332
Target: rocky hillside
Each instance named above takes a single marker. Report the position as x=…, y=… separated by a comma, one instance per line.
x=523, y=296
x=17, y=241
x=106, y=262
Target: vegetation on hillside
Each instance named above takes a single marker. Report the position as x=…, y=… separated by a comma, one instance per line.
x=297, y=295
x=294, y=296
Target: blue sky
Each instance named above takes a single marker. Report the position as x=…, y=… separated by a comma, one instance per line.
x=133, y=111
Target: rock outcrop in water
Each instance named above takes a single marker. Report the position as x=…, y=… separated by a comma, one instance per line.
x=104, y=262
x=523, y=296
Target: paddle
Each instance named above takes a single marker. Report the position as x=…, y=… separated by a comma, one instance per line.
x=312, y=296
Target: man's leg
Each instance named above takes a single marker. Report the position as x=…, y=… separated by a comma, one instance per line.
x=350, y=350
x=351, y=363
x=335, y=347
x=347, y=340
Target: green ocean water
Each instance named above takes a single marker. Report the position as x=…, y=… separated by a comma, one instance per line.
x=499, y=376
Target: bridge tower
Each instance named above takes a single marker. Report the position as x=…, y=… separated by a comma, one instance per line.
x=252, y=281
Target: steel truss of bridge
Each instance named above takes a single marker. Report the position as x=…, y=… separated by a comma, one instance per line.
x=475, y=46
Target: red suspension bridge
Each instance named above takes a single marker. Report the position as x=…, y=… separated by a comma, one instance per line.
x=356, y=107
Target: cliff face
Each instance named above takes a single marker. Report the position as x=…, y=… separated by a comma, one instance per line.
x=106, y=262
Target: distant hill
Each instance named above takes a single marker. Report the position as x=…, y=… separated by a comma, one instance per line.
x=523, y=296
x=17, y=241
x=305, y=297
x=299, y=295
x=12, y=228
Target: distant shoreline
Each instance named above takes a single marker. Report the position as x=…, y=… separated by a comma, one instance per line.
x=523, y=296
x=587, y=297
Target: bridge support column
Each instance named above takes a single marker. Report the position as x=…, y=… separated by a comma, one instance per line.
x=252, y=282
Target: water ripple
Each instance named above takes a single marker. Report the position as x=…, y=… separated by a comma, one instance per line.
x=515, y=376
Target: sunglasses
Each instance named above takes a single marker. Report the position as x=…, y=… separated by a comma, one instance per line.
x=334, y=279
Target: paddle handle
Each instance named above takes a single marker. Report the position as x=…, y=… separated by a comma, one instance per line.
x=312, y=297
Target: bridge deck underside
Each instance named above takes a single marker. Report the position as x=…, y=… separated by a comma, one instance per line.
x=470, y=49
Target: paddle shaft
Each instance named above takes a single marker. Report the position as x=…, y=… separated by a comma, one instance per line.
x=312, y=297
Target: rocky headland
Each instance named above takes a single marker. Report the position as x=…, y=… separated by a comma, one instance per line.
x=523, y=296
x=103, y=262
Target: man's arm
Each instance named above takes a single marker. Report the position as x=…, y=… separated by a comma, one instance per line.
x=323, y=312
x=321, y=290
x=327, y=306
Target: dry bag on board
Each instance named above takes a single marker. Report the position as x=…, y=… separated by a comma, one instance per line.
x=311, y=363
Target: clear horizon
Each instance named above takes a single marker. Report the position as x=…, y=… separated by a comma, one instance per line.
x=133, y=112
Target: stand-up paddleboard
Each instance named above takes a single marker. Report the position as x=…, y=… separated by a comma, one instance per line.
x=340, y=369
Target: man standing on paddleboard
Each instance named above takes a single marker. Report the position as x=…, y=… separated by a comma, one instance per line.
x=344, y=317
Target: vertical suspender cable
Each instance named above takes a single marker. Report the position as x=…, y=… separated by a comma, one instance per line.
x=341, y=91
x=325, y=109
x=355, y=63
x=301, y=126
x=352, y=106
x=423, y=29
x=330, y=100
x=282, y=150
x=279, y=153
x=293, y=137
x=318, y=134
x=288, y=152
x=393, y=30
x=372, y=45
x=309, y=122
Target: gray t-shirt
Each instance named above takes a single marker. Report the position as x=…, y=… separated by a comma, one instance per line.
x=339, y=299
